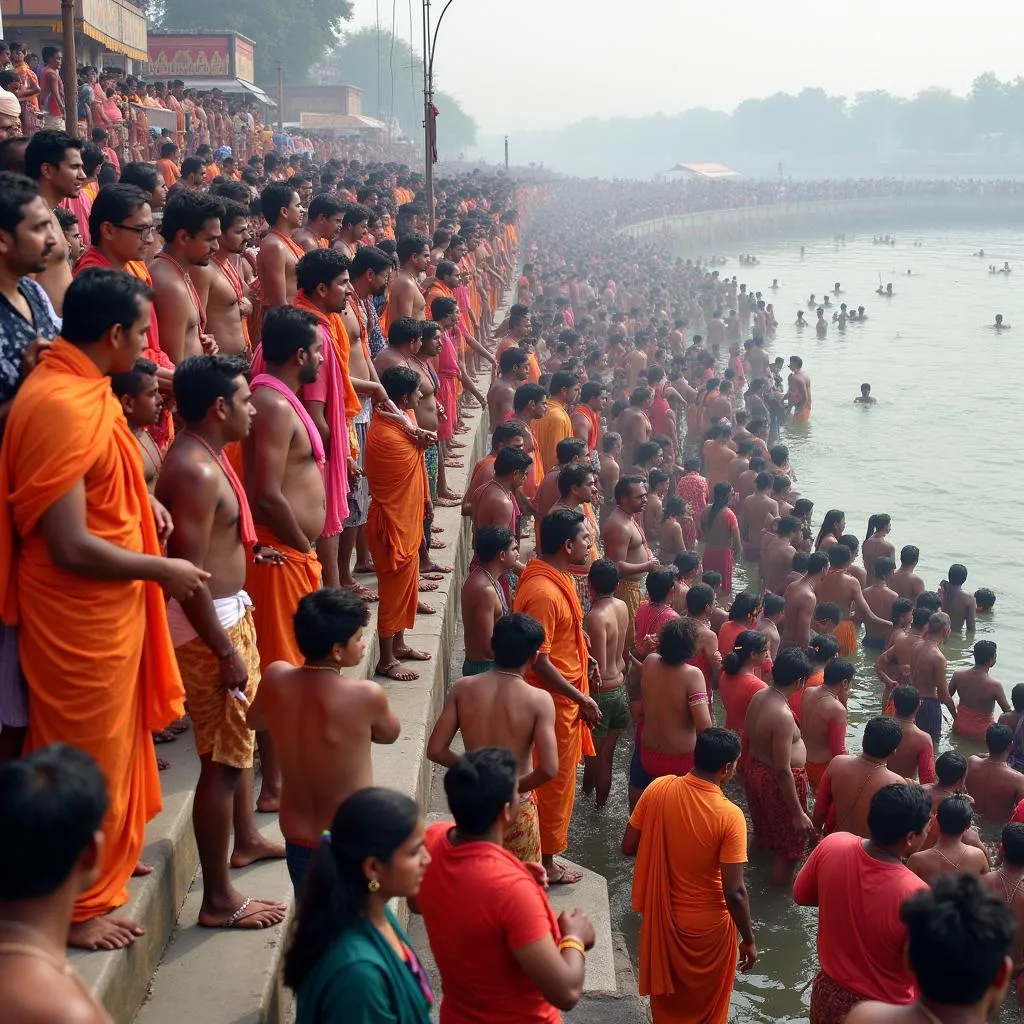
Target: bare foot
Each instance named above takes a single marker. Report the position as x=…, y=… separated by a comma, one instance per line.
x=435, y=567
x=249, y=914
x=422, y=608
x=563, y=875
x=437, y=529
x=395, y=671
x=141, y=870
x=447, y=502
x=449, y=495
x=162, y=764
x=437, y=545
x=364, y=592
x=363, y=568
x=268, y=803
x=104, y=933
x=245, y=854
x=408, y=654
x=426, y=586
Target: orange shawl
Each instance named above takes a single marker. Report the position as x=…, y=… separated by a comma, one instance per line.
x=339, y=338
x=97, y=654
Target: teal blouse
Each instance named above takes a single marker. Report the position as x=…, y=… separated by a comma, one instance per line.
x=360, y=980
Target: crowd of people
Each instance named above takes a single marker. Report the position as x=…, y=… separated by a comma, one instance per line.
x=236, y=403
x=116, y=109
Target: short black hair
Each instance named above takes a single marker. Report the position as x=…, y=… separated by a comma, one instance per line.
x=716, y=747
x=113, y=204
x=677, y=642
x=897, y=810
x=516, y=638
x=479, y=786
x=98, y=299
x=320, y=266
x=558, y=528
x=285, y=331
x=400, y=382
x=16, y=192
x=604, y=576
x=130, y=383
x=950, y=767
x=142, y=174
x=189, y=210
x=53, y=801
x=274, y=198
x=369, y=258
x=48, y=146
x=328, y=616
x=201, y=379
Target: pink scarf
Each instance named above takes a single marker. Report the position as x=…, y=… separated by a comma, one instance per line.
x=265, y=380
x=330, y=389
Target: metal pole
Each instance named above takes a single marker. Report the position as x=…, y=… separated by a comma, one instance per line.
x=506, y=152
x=428, y=100
x=280, y=96
x=69, y=73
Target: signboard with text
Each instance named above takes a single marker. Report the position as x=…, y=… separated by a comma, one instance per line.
x=207, y=55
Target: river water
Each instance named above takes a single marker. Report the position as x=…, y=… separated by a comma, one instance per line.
x=937, y=453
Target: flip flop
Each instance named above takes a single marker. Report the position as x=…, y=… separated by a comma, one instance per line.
x=427, y=587
x=408, y=654
x=370, y=596
x=246, y=912
x=434, y=567
x=437, y=529
x=164, y=736
x=437, y=545
x=447, y=502
x=162, y=765
x=428, y=575
x=567, y=876
x=394, y=670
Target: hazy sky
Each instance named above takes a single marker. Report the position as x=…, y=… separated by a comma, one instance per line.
x=519, y=64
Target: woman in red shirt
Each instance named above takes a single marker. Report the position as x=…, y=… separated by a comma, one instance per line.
x=503, y=957
x=744, y=613
x=741, y=675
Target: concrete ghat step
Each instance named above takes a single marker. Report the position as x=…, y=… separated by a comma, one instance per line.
x=220, y=977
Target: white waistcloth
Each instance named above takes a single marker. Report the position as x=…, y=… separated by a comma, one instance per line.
x=230, y=611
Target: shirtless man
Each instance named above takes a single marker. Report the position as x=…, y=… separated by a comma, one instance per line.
x=220, y=284
x=718, y=452
x=501, y=709
x=494, y=504
x=957, y=603
x=1007, y=884
x=213, y=632
x=569, y=452
x=529, y=403
x=719, y=407
x=624, y=541
x=353, y=228
x=607, y=626
x=586, y=417
x=484, y=598
x=823, y=718
x=279, y=254
x=995, y=787
x=404, y=295
x=676, y=703
x=777, y=558
x=322, y=720
x=758, y=510
x=893, y=667
x=843, y=589
x=979, y=694
x=54, y=800
x=54, y=161
x=775, y=779
x=880, y=598
x=798, y=398
x=513, y=370
x=905, y=580
x=191, y=233
x=609, y=470
x=773, y=610
x=851, y=780
x=285, y=487
x=928, y=675
x=141, y=402
x=323, y=223
x=914, y=758
x=950, y=854
x=634, y=425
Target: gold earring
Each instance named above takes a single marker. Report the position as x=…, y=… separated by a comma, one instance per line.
x=373, y=885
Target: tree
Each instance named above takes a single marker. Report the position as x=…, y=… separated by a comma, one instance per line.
x=367, y=60
x=296, y=33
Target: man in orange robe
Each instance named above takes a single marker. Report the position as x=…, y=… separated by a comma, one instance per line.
x=555, y=425
x=562, y=667
x=81, y=576
x=399, y=503
x=690, y=843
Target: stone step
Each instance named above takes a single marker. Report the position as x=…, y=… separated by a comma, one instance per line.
x=221, y=977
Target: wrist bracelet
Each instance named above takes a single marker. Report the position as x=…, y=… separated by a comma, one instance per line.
x=569, y=942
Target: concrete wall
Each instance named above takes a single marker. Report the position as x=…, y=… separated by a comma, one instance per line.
x=882, y=216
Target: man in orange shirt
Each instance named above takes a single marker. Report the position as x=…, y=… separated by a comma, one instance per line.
x=80, y=559
x=690, y=842
x=563, y=667
x=555, y=425
x=399, y=504
x=167, y=165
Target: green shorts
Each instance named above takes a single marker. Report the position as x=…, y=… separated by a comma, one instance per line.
x=614, y=705
x=476, y=668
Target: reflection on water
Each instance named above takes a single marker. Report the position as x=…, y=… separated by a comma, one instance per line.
x=938, y=453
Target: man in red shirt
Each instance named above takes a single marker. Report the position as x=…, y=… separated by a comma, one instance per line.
x=502, y=955
x=858, y=886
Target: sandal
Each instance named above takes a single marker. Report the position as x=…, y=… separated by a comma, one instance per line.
x=394, y=670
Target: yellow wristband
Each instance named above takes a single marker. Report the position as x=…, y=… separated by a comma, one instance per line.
x=570, y=943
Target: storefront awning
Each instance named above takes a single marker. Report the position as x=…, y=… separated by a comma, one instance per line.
x=231, y=85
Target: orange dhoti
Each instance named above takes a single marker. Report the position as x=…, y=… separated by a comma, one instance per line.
x=846, y=637
x=815, y=771
x=276, y=591
x=96, y=654
x=397, y=479
x=971, y=724
x=550, y=597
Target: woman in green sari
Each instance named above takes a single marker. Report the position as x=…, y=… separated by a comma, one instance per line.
x=349, y=960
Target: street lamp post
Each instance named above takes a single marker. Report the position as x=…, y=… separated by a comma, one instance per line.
x=280, y=96
x=429, y=122
x=69, y=72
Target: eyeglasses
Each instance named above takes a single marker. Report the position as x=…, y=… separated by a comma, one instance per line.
x=143, y=230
